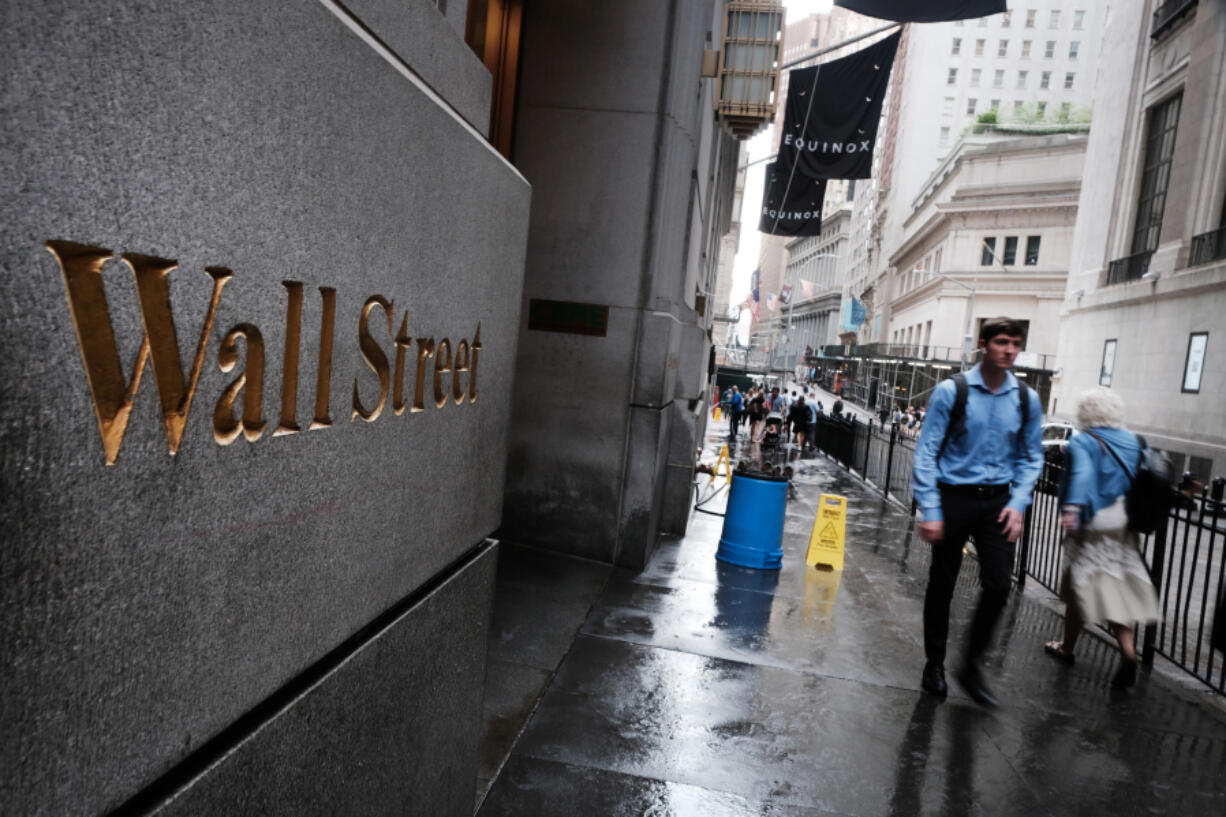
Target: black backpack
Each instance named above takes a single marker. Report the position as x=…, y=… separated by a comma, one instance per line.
x=1151, y=494
x=957, y=412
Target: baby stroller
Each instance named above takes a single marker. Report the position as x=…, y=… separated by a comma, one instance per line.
x=773, y=429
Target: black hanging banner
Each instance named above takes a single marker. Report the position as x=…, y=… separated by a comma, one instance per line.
x=791, y=203
x=924, y=11
x=830, y=124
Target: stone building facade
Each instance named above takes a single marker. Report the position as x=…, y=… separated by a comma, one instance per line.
x=990, y=232
x=727, y=314
x=1147, y=283
x=306, y=303
x=816, y=270
x=266, y=273
x=1036, y=63
x=633, y=187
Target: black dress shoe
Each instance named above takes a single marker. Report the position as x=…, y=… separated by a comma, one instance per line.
x=933, y=681
x=972, y=681
x=1126, y=675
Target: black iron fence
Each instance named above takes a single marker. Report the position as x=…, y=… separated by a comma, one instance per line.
x=1186, y=556
x=1128, y=268
x=1207, y=247
x=880, y=454
x=1167, y=14
x=1187, y=563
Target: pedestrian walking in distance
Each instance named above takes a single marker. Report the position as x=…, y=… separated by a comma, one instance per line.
x=735, y=405
x=814, y=409
x=1105, y=578
x=976, y=463
x=798, y=415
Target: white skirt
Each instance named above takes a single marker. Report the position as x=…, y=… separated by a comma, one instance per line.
x=1105, y=576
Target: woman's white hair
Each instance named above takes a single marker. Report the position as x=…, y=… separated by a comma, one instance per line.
x=1099, y=407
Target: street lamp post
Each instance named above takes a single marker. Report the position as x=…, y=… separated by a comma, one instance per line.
x=970, y=313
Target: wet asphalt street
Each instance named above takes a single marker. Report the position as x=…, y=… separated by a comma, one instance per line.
x=700, y=688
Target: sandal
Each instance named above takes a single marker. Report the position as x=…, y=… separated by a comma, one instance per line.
x=1056, y=650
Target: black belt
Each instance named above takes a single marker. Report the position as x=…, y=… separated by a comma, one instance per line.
x=981, y=491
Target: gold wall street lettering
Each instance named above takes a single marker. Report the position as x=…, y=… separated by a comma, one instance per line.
x=239, y=411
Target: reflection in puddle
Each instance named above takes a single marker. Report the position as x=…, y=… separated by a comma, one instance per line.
x=821, y=589
x=743, y=600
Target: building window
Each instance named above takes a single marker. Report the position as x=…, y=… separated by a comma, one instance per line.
x=1032, y=250
x=1041, y=109
x=970, y=106
x=1107, y=371
x=1073, y=48
x=1017, y=107
x=1021, y=80
x=976, y=73
x=944, y=137
x=1026, y=49
x=1201, y=468
x=1156, y=174
x=979, y=47
x=936, y=261
x=1045, y=80
x=995, y=106
x=983, y=22
x=1002, y=50
x=953, y=76
x=1079, y=18
x=1050, y=51
x=1194, y=363
x=989, y=251
x=1030, y=15
x=948, y=109
x=1068, y=80
x=957, y=47
x=1006, y=20
x=1010, y=251
x=998, y=81
x=1066, y=108
x=1054, y=20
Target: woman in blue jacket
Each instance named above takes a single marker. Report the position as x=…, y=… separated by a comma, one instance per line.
x=1105, y=578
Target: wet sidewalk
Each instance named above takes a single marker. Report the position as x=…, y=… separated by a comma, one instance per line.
x=699, y=688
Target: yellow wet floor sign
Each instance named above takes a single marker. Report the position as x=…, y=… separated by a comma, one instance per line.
x=726, y=460
x=829, y=529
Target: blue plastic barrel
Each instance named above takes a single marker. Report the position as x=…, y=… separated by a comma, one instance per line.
x=753, y=522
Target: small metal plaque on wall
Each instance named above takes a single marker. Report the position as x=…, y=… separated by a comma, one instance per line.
x=568, y=316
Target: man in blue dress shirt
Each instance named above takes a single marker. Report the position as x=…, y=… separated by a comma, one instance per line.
x=737, y=406
x=975, y=481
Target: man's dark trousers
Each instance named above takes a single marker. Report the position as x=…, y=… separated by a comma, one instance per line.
x=734, y=419
x=968, y=512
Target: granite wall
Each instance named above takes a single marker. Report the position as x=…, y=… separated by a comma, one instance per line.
x=274, y=600
x=616, y=133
